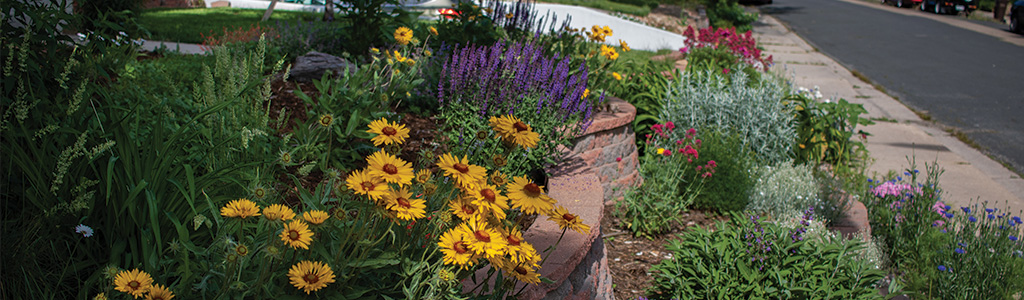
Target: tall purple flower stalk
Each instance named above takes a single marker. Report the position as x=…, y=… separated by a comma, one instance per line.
x=500, y=77
x=760, y=245
x=524, y=17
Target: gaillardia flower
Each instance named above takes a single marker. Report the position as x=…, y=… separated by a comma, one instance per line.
x=514, y=130
x=362, y=183
x=297, y=235
x=276, y=212
x=489, y=199
x=133, y=282
x=403, y=35
x=315, y=217
x=241, y=208
x=406, y=208
x=454, y=244
x=463, y=207
x=465, y=174
x=483, y=240
x=387, y=133
x=159, y=292
x=565, y=220
x=528, y=196
x=390, y=168
x=310, y=276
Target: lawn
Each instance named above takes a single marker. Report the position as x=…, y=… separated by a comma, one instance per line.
x=186, y=25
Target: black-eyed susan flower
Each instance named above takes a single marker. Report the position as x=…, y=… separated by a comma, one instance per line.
x=514, y=130
x=296, y=234
x=566, y=220
x=100, y=296
x=315, y=217
x=404, y=206
x=276, y=212
x=463, y=207
x=625, y=47
x=310, y=276
x=241, y=208
x=454, y=244
x=387, y=133
x=464, y=173
x=606, y=31
x=499, y=160
x=489, y=199
x=423, y=176
x=483, y=240
x=524, y=273
x=609, y=52
x=133, y=282
x=159, y=292
x=616, y=76
x=362, y=183
x=390, y=168
x=528, y=196
x=519, y=250
x=403, y=35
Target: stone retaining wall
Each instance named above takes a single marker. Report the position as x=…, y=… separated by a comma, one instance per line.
x=609, y=147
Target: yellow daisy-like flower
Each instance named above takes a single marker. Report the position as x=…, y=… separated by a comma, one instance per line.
x=399, y=57
x=586, y=92
x=276, y=212
x=241, y=250
x=566, y=220
x=241, y=208
x=483, y=240
x=616, y=75
x=297, y=235
x=310, y=276
x=454, y=244
x=499, y=179
x=463, y=207
x=512, y=129
x=445, y=275
x=403, y=35
x=528, y=196
x=625, y=47
x=133, y=282
x=609, y=52
x=363, y=183
x=606, y=31
x=432, y=30
x=423, y=176
x=524, y=273
x=407, y=209
x=387, y=133
x=159, y=292
x=100, y=296
x=509, y=15
x=489, y=199
x=315, y=217
x=660, y=150
x=464, y=173
x=519, y=250
x=326, y=120
x=374, y=51
x=390, y=168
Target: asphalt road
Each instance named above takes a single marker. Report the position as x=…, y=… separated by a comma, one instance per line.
x=971, y=81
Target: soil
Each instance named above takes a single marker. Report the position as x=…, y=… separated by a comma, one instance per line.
x=630, y=258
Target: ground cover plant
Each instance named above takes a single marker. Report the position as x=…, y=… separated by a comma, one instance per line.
x=192, y=24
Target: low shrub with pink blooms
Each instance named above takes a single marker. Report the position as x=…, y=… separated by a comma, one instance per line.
x=744, y=46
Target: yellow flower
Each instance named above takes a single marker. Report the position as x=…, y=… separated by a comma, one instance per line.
x=159, y=292
x=326, y=120
x=387, y=133
x=403, y=35
x=661, y=150
x=406, y=209
x=427, y=53
x=316, y=217
x=445, y=275
x=399, y=57
x=499, y=161
x=509, y=15
x=566, y=220
x=423, y=176
x=297, y=235
x=625, y=47
x=241, y=250
x=463, y=207
x=586, y=92
x=454, y=244
x=524, y=273
x=499, y=179
x=410, y=62
x=241, y=208
x=514, y=130
x=518, y=250
x=483, y=240
x=374, y=51
x=616, y=75
x=276, y=212
x=432, y=30
x=465, y=174
x=363, y=183
x=528, y=196
x=609, y=52
x=489, y=199
x=606, y=31
x=133, y=282
x=100, y=296
x=310, y=276
x=390, y=168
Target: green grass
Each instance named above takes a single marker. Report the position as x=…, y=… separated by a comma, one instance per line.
x=185, y=25
x=606, y=5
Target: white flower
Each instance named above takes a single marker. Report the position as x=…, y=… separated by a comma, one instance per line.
x=86, y=231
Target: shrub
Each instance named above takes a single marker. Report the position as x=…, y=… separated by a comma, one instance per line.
x=747, y=259
x=672, y=179
x=826, y=131
x=728, y=13
x=730, y=188
x=752, y=110
x=782, y=189
x=742, y=47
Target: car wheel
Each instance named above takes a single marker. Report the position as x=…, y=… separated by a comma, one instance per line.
x=938, y=8
x=1015, y=25
x=899, y=3
x=923, y=6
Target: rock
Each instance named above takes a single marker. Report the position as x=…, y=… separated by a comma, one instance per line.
x=313, y=64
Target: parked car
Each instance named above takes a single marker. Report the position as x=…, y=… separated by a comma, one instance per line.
x=902, y=3
x=945, y=7
x=1016, y=14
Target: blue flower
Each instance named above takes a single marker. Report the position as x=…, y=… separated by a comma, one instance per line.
x=949, y=215
x=1013, y=238
x=869, y=180
x=990, y=210
x=947, y=207
x=1017, y=219
x=960, y=250
x=961, y=244
x=906, y=173
x=942, y=268
x=899, y=178
x=972, y=219
x=915, y=171
x=966, y=210
x=991, y=217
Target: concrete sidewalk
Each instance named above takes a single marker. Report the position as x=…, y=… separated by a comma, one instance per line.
x=898, y=134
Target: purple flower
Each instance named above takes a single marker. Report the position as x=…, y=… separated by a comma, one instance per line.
x=960, y=250
x=972, y=219
x=942, y=268
x=991, y=217
x=949, y=215
x=990, y=210
x=966, y=210
x=85, y=231
x=1013, y=238
x=1017, y=219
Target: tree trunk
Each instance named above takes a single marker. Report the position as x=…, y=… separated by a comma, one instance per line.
x=270, y=10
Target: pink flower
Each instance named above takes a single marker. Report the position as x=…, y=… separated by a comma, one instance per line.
x=938, y=223
x=712, y=164
x=690, y=133
x=939, y=207
x=725, y=71
x=667, y=152
x=669, y=125
x=618, y=159
x=656, y=128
